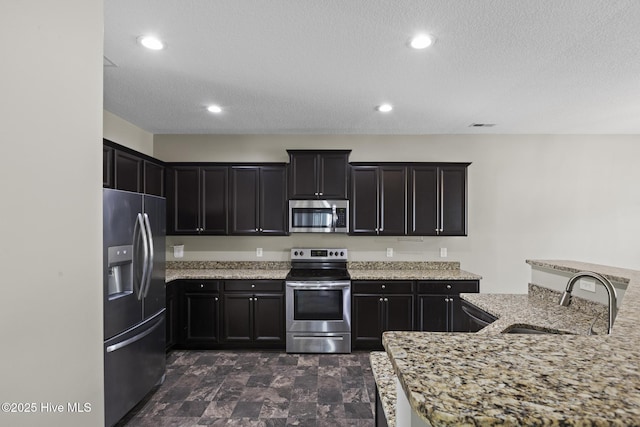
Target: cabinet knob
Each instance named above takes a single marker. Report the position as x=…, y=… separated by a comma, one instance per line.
x=321, y=194
x=253, y=285
x=216, y=298
x=386, y=300
x=381, y=300
x=448, y=286
x=383, y=286
x=201, y=285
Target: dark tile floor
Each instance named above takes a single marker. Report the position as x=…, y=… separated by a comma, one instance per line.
x=243, y=388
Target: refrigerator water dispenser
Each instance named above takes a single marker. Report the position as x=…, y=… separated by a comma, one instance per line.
x=120, y=265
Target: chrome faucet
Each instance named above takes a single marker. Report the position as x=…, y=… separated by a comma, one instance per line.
x=565, y=300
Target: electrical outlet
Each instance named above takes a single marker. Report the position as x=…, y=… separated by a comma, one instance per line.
x=588, y=285
x=389, y=252
x=258, y=252
x=443, y=252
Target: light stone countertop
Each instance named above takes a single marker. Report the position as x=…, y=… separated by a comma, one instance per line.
x=491, y=378
x=278, y=270
x=386, y=381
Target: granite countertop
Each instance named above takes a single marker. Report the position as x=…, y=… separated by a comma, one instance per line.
x=278, y=270
x=539, y=309
x=386, y=381
x=514, y=379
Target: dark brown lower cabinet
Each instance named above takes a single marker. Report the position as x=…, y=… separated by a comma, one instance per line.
x=171, y=316
x=200, y=314
x=439, y=307
x=379, y=306
x=253, y=313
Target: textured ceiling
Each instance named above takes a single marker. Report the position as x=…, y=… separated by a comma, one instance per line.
x=303, y=66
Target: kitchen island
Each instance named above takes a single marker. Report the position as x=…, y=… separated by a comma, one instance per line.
x=513, y=379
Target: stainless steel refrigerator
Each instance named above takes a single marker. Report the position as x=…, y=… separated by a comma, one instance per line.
x=134, y=298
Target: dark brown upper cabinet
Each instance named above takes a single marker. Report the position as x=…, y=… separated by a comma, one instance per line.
x=107, y=166
x=198, y=200
x=318, y=174
x=128, y=172
x=419, y=199
x=258, y=200
x=378, y=200
x=126, y=169
x=438, y=200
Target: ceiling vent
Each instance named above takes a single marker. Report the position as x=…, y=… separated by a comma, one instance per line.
x=482, y=125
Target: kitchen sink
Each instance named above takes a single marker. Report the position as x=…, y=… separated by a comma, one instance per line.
x=526, y=329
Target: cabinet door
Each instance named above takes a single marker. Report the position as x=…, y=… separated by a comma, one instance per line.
x=433, y=313
x=273, y=200
x=171, y=316
x=245, y=189
x=366, y=321
x=364, y=200
x=268, y=318
x=128, y=172
x=454, y=196
x=214, y=187
x=333, y=170
x=153, y=179
x=200, y=318
x=184, y=215
x=399, y=312
x=460, y=322
x=393, y=200
x=304, y=175
x=238, y=317
x=107, y=167
x=423, y=203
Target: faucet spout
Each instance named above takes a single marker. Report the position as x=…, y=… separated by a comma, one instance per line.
x=565, y=300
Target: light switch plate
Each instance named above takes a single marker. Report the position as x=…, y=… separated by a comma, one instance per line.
x=389, y=252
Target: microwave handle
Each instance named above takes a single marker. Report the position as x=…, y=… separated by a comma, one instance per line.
x=334, y=218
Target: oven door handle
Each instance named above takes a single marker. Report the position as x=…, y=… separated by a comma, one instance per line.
x=318, y=286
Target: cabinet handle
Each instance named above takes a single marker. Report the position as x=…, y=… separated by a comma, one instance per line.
x=321, y=194
x=381, y=300
x=386, y=300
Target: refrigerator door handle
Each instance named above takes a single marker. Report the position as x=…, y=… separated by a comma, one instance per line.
x=149, y=260
x=134, y=338
x=140, y=235
x=136, y=257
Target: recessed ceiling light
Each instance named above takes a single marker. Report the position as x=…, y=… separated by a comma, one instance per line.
x=151, y=42
x=214, y=109
x=384, y=108
x=421, y=41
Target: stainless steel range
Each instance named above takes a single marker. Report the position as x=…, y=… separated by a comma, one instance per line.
x=318, y=294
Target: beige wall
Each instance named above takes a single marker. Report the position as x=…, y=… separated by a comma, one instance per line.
x=124, y=133
x=51, y=228
x=530, y=196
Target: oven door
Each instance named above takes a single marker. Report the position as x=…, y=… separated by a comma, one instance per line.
x=318, y=306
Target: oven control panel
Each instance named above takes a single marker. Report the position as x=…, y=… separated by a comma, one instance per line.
x=315, y=254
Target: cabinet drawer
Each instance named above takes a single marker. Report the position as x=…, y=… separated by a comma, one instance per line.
x=448, y=286
x=199, y=285
x=253, y=286
x=382, y=286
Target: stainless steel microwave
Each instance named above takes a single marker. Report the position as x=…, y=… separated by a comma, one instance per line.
x=318, y=216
